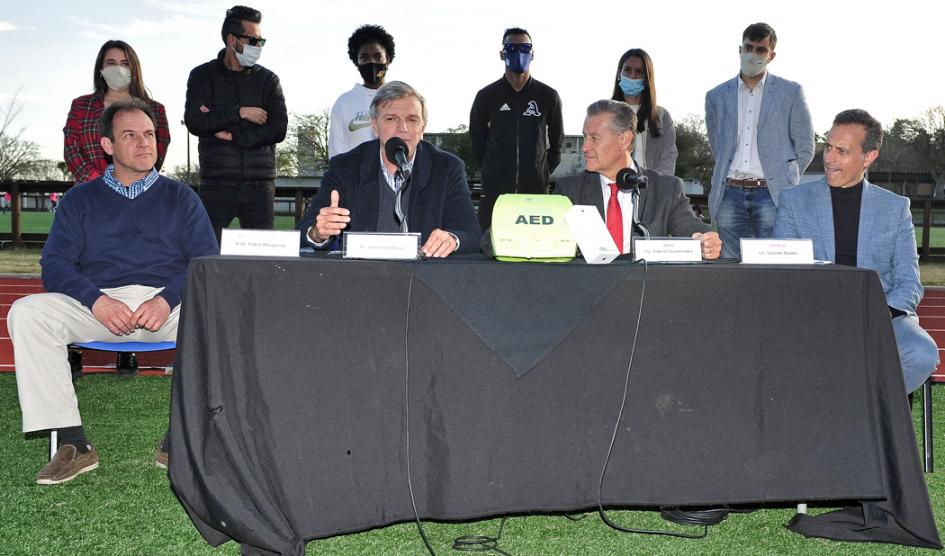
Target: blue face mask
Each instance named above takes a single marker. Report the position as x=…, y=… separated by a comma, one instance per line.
x=518, y=57
x=631, y=87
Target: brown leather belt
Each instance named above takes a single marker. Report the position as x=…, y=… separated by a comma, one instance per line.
x=746, y=184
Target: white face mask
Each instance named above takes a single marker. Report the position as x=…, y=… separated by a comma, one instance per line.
x=248, y=57
x=118, y=78
x=753, y=65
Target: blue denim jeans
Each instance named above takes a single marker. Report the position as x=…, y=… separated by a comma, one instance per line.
x=918, y=353
x=743, y=213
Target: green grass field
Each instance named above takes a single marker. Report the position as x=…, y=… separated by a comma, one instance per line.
x=26, y=261
x=126, y=506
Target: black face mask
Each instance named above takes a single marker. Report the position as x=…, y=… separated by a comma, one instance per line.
x=372, y=74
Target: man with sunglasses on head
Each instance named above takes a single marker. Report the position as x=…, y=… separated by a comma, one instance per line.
x=516, y=128
x=237, y=109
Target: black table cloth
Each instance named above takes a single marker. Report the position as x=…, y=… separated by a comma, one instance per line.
x=748, y=385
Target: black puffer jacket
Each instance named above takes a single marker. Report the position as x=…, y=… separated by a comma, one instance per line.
x=251, y=155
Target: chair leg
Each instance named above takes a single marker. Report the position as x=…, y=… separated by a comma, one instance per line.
x=927, y=426
x=75, y=364
x=53, y=443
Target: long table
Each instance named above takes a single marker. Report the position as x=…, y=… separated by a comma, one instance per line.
x=294, y=380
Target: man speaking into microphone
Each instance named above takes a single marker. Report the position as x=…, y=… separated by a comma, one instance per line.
x=397, y=182
x=663, y=209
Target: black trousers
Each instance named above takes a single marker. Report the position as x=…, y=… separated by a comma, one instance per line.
x=250, y=201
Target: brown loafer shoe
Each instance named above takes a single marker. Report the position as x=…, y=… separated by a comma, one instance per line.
x=66, y=464
x=160, y=456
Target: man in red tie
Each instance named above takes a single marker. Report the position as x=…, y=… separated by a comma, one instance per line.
x=664, y=210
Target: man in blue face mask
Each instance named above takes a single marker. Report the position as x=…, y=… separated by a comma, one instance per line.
x=516, y=127
x=236, y=107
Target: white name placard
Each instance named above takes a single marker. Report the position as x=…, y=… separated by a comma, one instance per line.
x=777, y=251
x=668, y=250
x=591, y=235
x=260, y=243
x=378, y=245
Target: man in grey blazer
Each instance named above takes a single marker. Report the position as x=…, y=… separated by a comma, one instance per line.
x=856, y=223
x=760, y=132
x=664, y=209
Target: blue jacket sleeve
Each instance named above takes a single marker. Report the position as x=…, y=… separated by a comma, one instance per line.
x=196, y=240
x=802, y=132
x=61, y=253
x=711, y=124
x=905, y=291
x=321, y=199
x=785, y=225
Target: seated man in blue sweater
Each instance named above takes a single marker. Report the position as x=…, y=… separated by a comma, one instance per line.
x=114, y=266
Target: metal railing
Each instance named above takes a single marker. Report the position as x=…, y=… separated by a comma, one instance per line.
x=298, y=196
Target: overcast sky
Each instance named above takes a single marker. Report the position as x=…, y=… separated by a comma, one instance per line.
x=881, y=56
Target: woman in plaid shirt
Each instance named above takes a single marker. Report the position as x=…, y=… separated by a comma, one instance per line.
x=117, y=75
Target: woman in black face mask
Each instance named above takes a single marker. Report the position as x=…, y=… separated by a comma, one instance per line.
x=654, y=145
x=371, y=49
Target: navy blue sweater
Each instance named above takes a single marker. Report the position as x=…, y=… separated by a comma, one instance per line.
x=100, y=239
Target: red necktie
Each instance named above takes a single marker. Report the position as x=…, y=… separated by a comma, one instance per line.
x=615, y=218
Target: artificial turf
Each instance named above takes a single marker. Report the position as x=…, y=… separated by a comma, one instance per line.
x=127, y=507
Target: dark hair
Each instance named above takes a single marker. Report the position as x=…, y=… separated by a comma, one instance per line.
x=759, y=32
x=235, y=16
x=648, y=116
x=136, y=88
x=125, y=105
x=873, y=140
x=622, y=118
x=515, y=31
x=366, y=34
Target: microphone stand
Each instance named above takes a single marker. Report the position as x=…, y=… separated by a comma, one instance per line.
x=398, y=206
x=637, y=225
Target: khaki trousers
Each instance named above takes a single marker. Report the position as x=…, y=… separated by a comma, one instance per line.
x=41, y=326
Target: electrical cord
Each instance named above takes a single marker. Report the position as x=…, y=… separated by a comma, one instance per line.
x=465, y=543
x=704, y=518
x=481, y=543
x=413, y=500
x=613, y=438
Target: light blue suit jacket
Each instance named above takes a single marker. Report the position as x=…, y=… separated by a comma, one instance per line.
x=885, y=243
x=785, y=134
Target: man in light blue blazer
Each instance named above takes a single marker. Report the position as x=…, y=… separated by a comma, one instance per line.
x=760, y=132
x=856, y=223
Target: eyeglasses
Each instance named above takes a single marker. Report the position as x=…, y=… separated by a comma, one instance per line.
x=514, y=47
x=253, y=41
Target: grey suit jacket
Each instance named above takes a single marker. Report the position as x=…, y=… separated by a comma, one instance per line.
x=664, y=209
x=785, y=134
x=885, y=243
x=661, y=152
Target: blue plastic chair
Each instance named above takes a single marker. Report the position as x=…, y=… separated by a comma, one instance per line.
x=123, y=347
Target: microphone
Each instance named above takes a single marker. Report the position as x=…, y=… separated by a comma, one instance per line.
x=628, y=179
x=395, y=149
